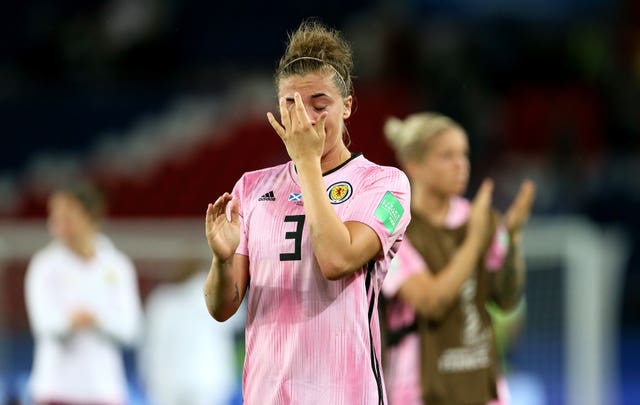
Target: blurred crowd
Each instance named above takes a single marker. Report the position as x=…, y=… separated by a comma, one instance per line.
x=546, y=89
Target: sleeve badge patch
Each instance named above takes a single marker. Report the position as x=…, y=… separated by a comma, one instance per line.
x=389, y=211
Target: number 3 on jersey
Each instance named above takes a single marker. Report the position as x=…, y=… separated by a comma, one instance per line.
x=296, y=236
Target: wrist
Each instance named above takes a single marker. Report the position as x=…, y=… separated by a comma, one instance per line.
x=308, y=166
x=218, y=262
x=515, y=237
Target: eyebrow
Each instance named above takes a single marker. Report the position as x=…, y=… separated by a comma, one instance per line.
x=313, y=96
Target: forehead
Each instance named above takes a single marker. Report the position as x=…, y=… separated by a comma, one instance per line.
x=308, y=84
x=63, y=201
x=450, y=137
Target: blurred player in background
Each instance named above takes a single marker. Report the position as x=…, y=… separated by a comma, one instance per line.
x=456, y=257
x=83, y=304
x=310, y=241
x=186, y=359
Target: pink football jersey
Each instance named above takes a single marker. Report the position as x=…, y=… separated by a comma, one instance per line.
x=310, y=340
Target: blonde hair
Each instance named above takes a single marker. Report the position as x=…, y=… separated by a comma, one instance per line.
x=409, y=137
x=312, y=48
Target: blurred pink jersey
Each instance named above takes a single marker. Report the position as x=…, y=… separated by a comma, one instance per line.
x=310, y=340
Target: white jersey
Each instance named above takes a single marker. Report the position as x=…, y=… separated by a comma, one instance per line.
x=310, y=340
x=86, y=366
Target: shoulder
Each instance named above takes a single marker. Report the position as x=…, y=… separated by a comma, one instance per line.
x=49, y=258
x=373, y=172
x=251, y=180
x=112, y=253
x=262, y=174
x=53, y=251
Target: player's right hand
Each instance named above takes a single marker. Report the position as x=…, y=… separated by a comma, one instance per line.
x=480, y=216
x=223, y=235
x=302, y=136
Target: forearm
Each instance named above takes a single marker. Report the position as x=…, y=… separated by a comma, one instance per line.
x=508, y=283
x=448, y=282
x=47, y=324
x=222, y=290
x=331, y=240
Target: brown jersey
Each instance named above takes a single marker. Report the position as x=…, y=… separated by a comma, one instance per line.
x=458, y=354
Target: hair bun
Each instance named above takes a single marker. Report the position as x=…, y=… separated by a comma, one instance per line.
x=392, y=130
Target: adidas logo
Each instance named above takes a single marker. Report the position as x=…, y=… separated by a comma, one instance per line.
x=267, y=196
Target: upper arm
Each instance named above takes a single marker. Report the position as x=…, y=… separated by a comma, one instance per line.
x=42, y=296
x=378, y=218
x=365, y=244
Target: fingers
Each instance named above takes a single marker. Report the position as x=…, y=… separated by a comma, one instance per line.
x=524, y=200
x=299, y=110
x=520, y=209
x=217, y=208
x=320, y=123
x=208, y=222
x=527, y=194
x=276, y=125
x=485, y=193
x=285, y=117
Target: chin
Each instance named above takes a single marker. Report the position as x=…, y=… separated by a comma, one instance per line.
x=459, y=190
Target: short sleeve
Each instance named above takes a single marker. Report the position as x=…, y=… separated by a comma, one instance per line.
x=383, y=203
x=406, y=263
x=238, y=194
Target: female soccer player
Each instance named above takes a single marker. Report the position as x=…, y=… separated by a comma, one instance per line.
x=455, y=258
x=310, y=240
x=83, y=305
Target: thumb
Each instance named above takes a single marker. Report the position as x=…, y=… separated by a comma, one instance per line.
x=484, y=194
x=527, y=193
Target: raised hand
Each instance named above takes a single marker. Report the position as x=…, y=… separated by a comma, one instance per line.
x=518, y=213
x=302, y=138
x=223, y=235
x=480, y=216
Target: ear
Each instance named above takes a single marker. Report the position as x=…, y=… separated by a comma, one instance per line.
x=348, y=102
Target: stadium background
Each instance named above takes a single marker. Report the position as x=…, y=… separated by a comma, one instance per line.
x=162, y=104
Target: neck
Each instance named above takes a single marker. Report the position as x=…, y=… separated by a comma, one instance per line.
x=334, y=158
x=429, y=205
x=84, y=246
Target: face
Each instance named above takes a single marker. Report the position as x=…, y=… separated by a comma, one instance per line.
x=68, y=220
x=319, y=94
x=444, y=168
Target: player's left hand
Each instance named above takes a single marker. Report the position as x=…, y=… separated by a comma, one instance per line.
x=519, y=211
x=303, y=136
